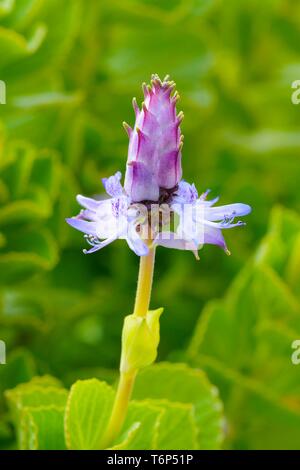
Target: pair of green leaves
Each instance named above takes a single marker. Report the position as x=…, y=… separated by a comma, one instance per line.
x=173, y=407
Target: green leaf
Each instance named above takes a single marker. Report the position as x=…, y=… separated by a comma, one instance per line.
x=20, y=157
x=6, y=6
x=37, y=409
x=35, y=205
x=272, y=251
x=87, y=413
x=28, y=168
x=20, y=308
x=23, y=12
x=177, y=428
x=47, y=99
x=179, y=383
x=20, y=368
x=141, y=426
x=125, y=439
x=36, y=394
x=244, y=342
x=292, y=271
x=54, y=41
x=267, y=422
x=46, y=172
x=34, y=251
x=16, y=46
x=42, y=428
x=274, y=297
x=276, y=247
x=42, y=381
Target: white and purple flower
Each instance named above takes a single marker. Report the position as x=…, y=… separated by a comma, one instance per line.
x=153, y=185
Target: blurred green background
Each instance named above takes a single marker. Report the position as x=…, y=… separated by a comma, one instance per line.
x=71, y=68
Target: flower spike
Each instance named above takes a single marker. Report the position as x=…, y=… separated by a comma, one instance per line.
x=153, y=179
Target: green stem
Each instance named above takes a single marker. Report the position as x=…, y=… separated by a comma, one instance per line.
x=126, y=381
x=144, y=286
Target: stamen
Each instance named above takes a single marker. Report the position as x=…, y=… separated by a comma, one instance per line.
x=92, y=240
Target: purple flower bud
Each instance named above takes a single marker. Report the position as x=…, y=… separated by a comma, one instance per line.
x=155, y=142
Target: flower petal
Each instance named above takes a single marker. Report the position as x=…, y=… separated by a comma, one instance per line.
x=170, y=240
x=186, y=193
x=136, y=243
x=87, y=214
x=213, y=236
x=113, y=185
x=86, y=227
x=88, y=203
x=226, y=212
